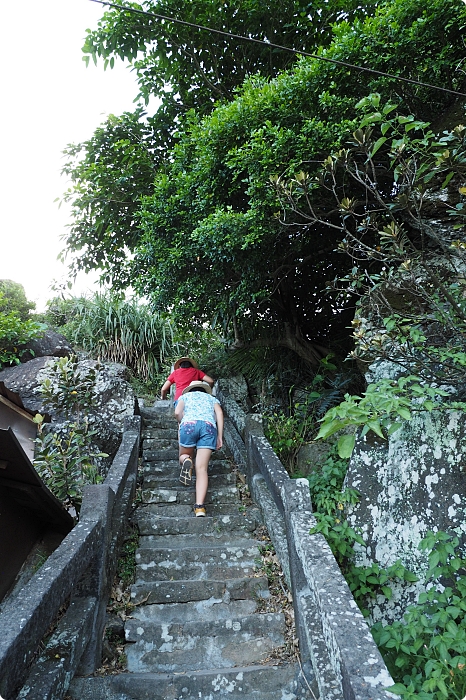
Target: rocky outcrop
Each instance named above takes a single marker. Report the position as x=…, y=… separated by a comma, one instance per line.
x=50, y=344
x=114, y=400
x=25, y=380
x=409, y=484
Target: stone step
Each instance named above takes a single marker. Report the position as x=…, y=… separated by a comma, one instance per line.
x=255, y=682
x=169, y=443
x=151, y=592
x=166, y=454
x=152, y=481
x=160, y=433
x=227, y=494
x=202, y=644
x=175, y=557
x=197, y=540
x=200, y=611
x=150, y=522
x=172, y=466
x=159, y=411
x=167, y=570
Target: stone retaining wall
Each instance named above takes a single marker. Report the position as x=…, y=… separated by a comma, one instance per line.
x=79, y=575
x=334, y=638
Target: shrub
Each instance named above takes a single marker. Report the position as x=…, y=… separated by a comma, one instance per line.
x=115, y=329
x=13, y=333
x=65, y=459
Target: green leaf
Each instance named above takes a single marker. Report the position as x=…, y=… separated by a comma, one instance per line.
x=346, y=445
x=328, y=429
x=377, y=145
x=404, y=413
x=375, y=426
x=387, y=591
x=447, y=180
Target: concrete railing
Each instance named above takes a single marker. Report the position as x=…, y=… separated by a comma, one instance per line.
x=78, y=576
x=336, y=646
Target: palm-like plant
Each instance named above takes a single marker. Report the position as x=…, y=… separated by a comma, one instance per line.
x=116, y=329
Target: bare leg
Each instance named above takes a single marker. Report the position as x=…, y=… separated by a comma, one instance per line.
x=186, y=452
x=202, y=462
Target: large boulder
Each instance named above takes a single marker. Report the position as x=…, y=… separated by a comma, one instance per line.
x=409, y=484
x=25, y=380
x=50, y=344
x=115, y=399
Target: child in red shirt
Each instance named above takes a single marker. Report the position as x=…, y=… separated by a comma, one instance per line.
x=185, y=371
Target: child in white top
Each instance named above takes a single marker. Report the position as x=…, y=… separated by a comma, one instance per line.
x=201, y=428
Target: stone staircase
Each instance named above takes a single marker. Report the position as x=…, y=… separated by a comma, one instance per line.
x=196, y=631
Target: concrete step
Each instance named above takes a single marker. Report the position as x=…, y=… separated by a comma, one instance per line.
x=163, y=520
x=169, y=443
x=227, y=494
x=172, y=466
x=195, y=632
x=161, y=455
x=165, y=563
x=202, y=644
x=255, y=682
x=157, y=412
x=182, y=591
x=168, y=570
x=196, y=540
x=170, y=433
x=152, y=481
x=200, y=611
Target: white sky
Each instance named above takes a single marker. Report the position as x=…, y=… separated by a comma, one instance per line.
x=49, y=99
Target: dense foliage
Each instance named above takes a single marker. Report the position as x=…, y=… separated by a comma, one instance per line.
x=426, y=650
x=208, y=242
x=16, y=329
x=14, y=299
x=187, y=68
x=114, y=329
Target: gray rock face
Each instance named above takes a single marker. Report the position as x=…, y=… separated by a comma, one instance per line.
x=24, y=380
x=51, y=344
x=237, y=389
x=114, y=402
x=412, y=483
x=310, y=455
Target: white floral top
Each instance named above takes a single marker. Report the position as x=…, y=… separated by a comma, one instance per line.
x=198, y=405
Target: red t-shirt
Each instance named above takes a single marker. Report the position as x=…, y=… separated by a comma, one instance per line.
x=183, y=376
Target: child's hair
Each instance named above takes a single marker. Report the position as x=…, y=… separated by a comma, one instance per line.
x=185, y=364
x=198, y=388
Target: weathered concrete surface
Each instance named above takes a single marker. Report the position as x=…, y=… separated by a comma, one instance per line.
x=349, y=648
x=188, y=591
x=80, y=569
x=220, y=642
x=334, y=637
x=247, y=683
x=154, y=520
x=52, y=673
x=227, y=494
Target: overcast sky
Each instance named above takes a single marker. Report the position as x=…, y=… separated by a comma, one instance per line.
x=49, y=99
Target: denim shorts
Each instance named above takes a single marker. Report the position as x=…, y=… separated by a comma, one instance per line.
x=198, y=433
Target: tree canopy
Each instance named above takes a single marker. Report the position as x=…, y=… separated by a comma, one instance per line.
x=205, y=234
x=188, y=68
